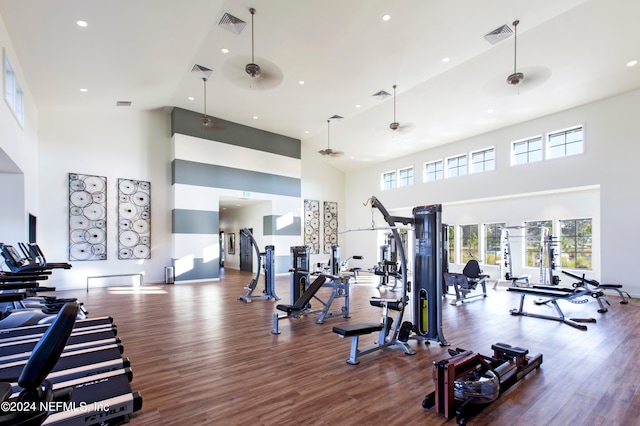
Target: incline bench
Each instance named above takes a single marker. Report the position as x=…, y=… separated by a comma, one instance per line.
x=301, y=306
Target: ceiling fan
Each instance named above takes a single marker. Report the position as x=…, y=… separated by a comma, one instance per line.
x=205, y=73
x=517, y=77
x=330, y=152
x=395, y=126
x=262, y=77
x=252, y=68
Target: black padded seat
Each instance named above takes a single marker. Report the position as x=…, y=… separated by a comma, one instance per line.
x=349, y=330
x=305, y=298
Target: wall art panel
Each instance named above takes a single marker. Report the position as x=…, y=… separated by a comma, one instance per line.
x=330, y=225
x=134, y=219
x=87, y=217
x=312, y=225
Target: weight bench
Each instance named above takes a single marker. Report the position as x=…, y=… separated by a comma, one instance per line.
x=597, y=285
x=552, y=296
x=388, y=335
x=300, y=306
x=355, y=331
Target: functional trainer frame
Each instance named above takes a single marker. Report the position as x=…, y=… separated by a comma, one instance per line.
x=269, y=291
x=428, y=286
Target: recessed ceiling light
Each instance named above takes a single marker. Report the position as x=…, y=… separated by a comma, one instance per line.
x=386, y=17
x=445, y=60
x=81, y=23
x=632, y=63
x=255, y=117
x=301, y=82
x=489, y=111
x=306, y=131
x=358, y=106
x=224, y=50
x=191, y=98
x=83, y=90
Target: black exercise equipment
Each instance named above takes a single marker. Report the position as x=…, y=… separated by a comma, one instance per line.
x=387, y=267
x=466, y=282
x=32, y=379
x=550, y=295
x=302, y=306
x=427, y=288
x=34, y=255
x=466, y=383
x=269, y=291
x=584, y=282
x=299, y=271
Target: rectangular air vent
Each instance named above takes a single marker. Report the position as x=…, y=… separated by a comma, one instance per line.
x=231, y=23
x=499, y=34
x=123, y=103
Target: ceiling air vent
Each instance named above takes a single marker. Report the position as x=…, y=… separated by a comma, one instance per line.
x=123, y=103
x=231, y=23
x=499, y=34
x=381, y=95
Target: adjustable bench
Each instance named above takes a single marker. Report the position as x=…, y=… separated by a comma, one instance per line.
x=551, y=296
x=301, y=306
x=597, y=285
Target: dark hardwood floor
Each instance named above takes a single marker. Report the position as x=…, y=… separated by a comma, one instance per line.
x=201, y=357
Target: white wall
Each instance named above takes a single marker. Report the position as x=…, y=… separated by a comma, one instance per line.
x=609, y=162
x=122, y=143
x=18, y=158
x=323, y=182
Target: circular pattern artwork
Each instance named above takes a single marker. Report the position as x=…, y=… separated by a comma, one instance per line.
x=312, y=225
x=330, y=225
x=87, y=217
x=134, y=219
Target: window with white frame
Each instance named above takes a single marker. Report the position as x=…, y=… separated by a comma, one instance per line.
x=457, y=166
x=433, y=171
x=526, y=151
x=492, y=233
x=405, y=177
x=564, y=143
x=534, y=241
x=451, y=247
x=468, y=242
x=576, y=243
x=13, y=93
x=388, y=180
x=482, y=161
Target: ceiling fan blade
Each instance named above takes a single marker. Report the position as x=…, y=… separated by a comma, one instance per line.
x=270, y=76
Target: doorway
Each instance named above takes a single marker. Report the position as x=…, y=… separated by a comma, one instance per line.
x=246, y=252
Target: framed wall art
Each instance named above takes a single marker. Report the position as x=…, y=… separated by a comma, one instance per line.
x=312, y=225
x=87, y=217
x=134, y=219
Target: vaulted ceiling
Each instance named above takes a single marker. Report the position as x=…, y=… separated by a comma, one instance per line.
x=451, y=82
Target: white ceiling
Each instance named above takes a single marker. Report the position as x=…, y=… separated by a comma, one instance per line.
x=570, y=51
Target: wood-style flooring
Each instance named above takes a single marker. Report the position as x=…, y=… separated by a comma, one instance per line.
x=202, y=357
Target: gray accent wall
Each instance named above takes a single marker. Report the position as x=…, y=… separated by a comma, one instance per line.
x=198, y=181
x=188, y=123
x=215, y=176
x=194, y=222
x=270, y=226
